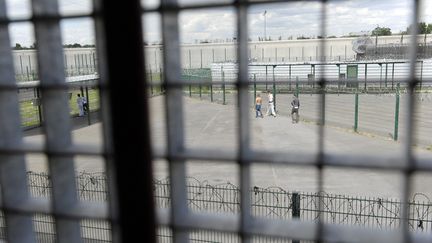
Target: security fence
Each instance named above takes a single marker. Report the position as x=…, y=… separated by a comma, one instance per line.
x=271, y=202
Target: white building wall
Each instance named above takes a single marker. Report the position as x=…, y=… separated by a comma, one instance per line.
x=203, y=55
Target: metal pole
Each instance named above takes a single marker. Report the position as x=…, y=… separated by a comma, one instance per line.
x=151, y=82
x=200, y=90
x=266, y=78
x=211, y=92
x=386, y=72
x=297, y=87
x=88, y=106
x=295, y=209
x=393, y=76
x=396, y=124
x=356, y=112
x=274, y=88
x=290, y=80
x=223, y=88
x=380, y=76
x=421, y=75
x=339, y=76
x=365, y=77
x=39, y=107
x=255, y=87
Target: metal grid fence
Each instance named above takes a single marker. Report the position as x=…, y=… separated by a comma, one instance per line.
x=272, y=203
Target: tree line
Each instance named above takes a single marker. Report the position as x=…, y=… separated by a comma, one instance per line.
x=18, y=46
x=423, y=28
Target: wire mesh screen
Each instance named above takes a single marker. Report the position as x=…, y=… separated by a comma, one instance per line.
x=61, y=207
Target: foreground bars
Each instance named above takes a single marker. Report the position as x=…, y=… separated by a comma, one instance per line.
x=128, y=103
x=13, y=177
x=57, y=122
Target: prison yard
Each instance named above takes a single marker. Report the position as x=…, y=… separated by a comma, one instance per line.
x=365, y=113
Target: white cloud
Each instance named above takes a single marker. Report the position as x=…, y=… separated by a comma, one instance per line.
x=283, y=19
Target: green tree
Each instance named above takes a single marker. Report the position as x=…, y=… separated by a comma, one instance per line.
x=381, y=31
x=423, y=28
x=18, y=46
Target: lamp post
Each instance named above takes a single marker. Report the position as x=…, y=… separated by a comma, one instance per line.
x=265, y=25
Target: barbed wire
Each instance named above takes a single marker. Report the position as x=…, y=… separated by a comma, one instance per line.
x=272, y=202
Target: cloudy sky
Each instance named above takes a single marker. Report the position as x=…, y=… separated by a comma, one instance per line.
x=281, y=20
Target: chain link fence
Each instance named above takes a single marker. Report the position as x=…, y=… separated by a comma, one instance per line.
x=271, y=202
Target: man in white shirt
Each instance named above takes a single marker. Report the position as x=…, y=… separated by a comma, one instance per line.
x=270, y=107
x=80, y=103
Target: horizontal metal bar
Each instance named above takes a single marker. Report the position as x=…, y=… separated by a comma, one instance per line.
x=75, y=149
x=231, y=4
x=83, y=210
x=292, y=229
x=390, y=162
x=47, y=17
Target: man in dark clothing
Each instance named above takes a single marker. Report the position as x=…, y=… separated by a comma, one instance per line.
x=295, y=104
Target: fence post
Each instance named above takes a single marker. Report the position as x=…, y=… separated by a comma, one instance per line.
x=356, y=112
x=297, y=87
x=295, y=209
x=223, y=88
x=274, y=88
x=151, y=82
x=396, y=124
x=190, y=90
x=290, y=80
x=161, y=80
x=200, y=90
x=211, y=90
x=39, y=106
x=88, y=106
x=421, y=75
x=365, y=87
x=255, y=87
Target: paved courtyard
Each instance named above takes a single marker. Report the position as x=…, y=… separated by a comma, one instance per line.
x=214, y=126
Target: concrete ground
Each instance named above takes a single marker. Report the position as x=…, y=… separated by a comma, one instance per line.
x=215, y=126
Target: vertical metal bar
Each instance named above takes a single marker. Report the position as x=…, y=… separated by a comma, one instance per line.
x=13, y=177
x=255, y=91
x=151, y=82
x=211, y=90
x=56, y=114
x=421, y=75
x=365, y=85
x=201, y=52
x=174, y=115
x=396, y=121
x=295, y=205
x=386, y=73
x=223, y=88
x=244, y=122
x=356, y=112
x=290, y=80
x=133, y=215
x=393, y=76
x=321, y=131
x=410, y=128
x=88, y=106
x=274, y=88
x=39, y=105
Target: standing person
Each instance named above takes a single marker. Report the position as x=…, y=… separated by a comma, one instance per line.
x=270, y=107
x=258, y=103
x=80, y=103
x=295, y=104
x=85, y=105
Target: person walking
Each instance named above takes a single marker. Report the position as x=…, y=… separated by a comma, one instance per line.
x=270, y=106
x=295, y=104
x=80, y=103
x=258, y=103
